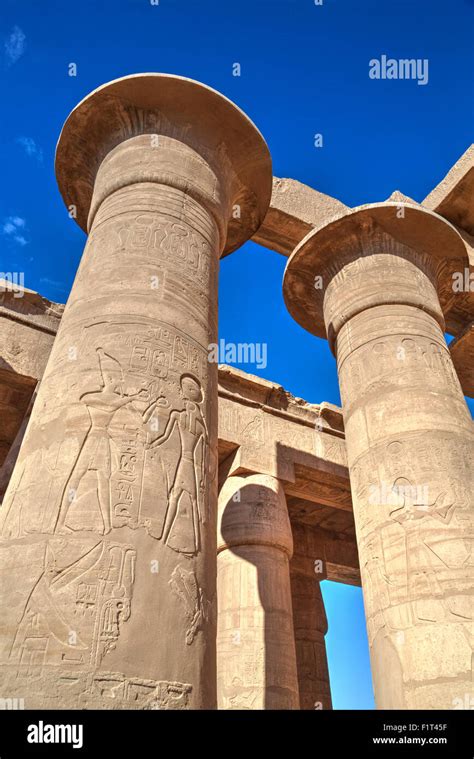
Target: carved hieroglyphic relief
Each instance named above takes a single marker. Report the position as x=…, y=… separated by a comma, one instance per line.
x=79, y=596
x=265, y=511
x=107, y=690
x=185, y=510
x=175, y=243
x=138, y=693
x=273, y=443
x=415, y=561
x=409, y=440
x=196, y=608
x=130, y=451
x=401, y=359
x=143, y=428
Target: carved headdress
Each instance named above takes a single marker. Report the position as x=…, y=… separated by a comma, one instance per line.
x=110, y=369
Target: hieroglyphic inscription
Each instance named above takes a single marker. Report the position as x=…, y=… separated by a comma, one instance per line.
x=74, y=610
x=140, y=459
x=175, y=243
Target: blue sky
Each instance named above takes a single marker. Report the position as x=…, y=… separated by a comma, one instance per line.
x=304, y=70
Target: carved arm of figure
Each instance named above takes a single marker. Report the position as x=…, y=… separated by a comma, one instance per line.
x=118, y=401
x=148, y=413
x=172, y=420
x=202, y=441
x=443, y=507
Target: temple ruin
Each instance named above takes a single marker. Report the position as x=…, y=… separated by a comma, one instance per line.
x=166, y=522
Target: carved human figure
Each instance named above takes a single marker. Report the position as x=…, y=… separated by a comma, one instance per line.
x=422, y=545
x=95, y=454
x=188, y=483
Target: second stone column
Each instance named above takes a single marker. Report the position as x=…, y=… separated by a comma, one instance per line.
x=409, y=439
x=256, y=656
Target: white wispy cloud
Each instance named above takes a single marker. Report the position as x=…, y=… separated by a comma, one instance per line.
x=13, y=227
x=30, y=147
x=14, y=45
x=53, y=283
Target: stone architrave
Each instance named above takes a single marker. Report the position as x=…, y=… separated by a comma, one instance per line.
x=108, y=550
x=256, y=657
x=409, y=438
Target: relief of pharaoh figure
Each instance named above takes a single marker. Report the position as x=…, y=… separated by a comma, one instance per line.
x=185, y=508
x=430, y=569
x=95, y=453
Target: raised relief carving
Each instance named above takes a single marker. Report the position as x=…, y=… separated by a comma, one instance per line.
x=139, y=693
x=73, y=615
x=417, y=554
x=185, y=509
x=137, y=452
x=184, y=584
x=95, y=454
x=265, y=509
x=254, y=431
x=377, y=366
x=435, y=548
x=107, y=690
x=240, y=696
x=175, y=243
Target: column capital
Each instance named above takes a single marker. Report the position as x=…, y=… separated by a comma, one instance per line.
x=398, y=229
x=252, y=511
x=183, y=111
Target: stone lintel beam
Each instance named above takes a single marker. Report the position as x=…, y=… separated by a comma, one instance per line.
x=264, y=429
x=248, y=390
x=295, y=209
x=22, y=303
x=337, y=553
x=453, y=196
x=319, y=483
x=29, y=323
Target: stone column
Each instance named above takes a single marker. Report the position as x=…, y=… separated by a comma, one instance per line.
x=256, y=658
x=108, y=554
x=409, y=439
x=310, y=622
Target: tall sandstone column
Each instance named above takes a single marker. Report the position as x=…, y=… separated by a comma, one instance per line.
x=256, y=657
x=310, y=621
x=108, y=552
x=409, y=439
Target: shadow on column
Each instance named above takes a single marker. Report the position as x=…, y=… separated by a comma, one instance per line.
x=255, y=644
